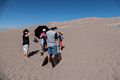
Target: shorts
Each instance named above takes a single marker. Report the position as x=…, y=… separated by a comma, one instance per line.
x=42, y=42
x=26, y=48
x=52, y=50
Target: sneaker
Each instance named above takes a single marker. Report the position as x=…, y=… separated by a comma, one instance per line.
x=42, y=53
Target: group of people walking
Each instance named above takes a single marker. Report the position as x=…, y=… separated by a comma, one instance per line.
x=50, y=41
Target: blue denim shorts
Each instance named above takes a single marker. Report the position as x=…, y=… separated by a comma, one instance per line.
x=52, y=50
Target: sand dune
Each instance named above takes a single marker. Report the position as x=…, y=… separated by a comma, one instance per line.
x=91, y=53
x=93, y=21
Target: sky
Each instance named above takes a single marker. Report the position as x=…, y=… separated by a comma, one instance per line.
x=21, y=13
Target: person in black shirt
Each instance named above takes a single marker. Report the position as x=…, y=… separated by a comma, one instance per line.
x=26, y=35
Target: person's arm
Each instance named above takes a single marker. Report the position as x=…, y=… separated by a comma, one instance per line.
x=41, y=35
x=56, y=36
x=28, y=35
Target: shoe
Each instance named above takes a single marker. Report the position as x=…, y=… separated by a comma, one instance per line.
x=42, y=53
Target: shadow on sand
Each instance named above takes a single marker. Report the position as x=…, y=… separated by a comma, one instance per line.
x=3, y=76
x=33, y=53
x=54, y=61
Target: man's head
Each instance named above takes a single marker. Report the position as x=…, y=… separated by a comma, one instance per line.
x=53, y=28
x=60, y=33
x=25, y=31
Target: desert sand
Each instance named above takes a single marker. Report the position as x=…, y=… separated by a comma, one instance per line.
x=92, y=52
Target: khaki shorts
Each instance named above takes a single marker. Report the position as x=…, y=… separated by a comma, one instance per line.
x=26, y=48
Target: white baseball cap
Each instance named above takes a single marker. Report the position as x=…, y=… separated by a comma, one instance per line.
x=44, y=29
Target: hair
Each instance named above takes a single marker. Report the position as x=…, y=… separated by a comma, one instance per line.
x=25, y=30
x=53, y=28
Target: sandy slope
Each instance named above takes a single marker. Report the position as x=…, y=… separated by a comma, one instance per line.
x=91, y=53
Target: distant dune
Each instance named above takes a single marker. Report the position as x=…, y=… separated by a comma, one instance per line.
x=93, y=21
x=92, y=52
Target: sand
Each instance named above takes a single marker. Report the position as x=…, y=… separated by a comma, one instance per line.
x=90, y=53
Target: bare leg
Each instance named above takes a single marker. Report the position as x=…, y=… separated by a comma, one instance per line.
x=49, y=58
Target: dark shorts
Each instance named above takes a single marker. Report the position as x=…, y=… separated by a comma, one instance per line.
x=52, y=50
